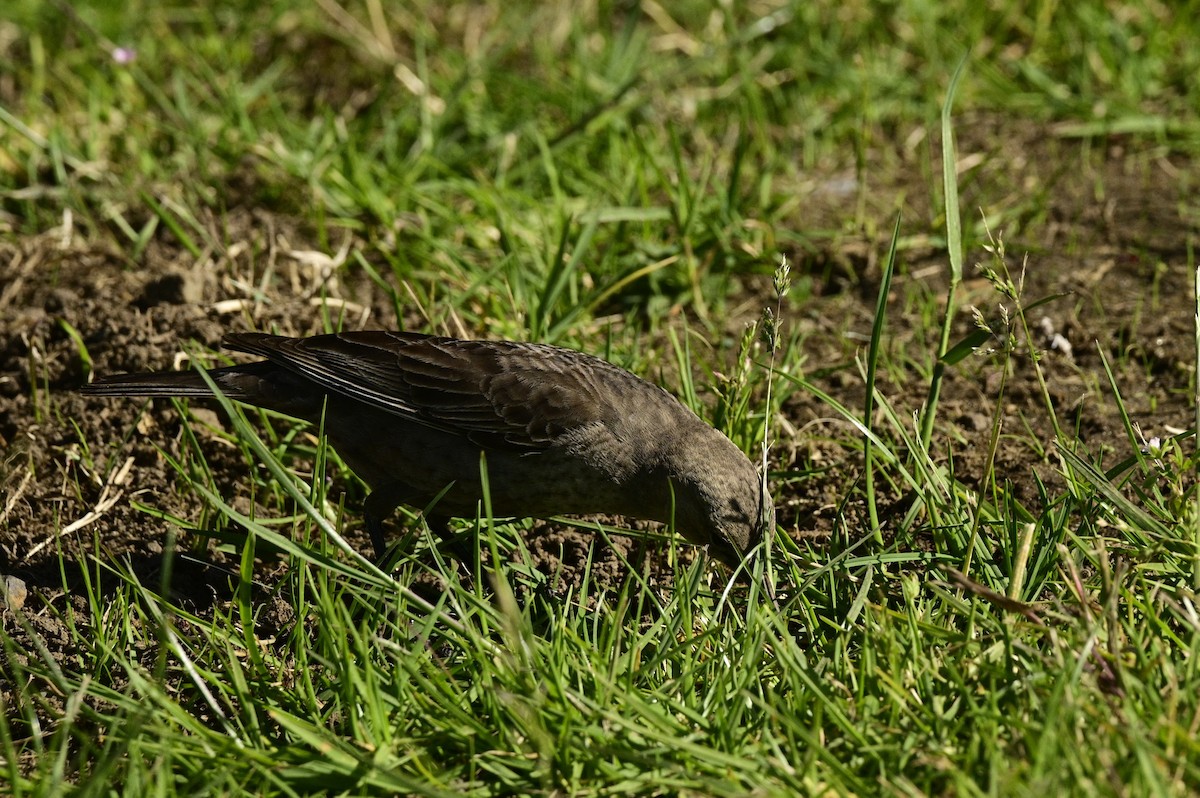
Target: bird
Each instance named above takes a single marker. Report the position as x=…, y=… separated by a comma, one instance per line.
x=560, y=432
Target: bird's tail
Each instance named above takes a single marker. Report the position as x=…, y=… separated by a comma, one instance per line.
x=189, y=384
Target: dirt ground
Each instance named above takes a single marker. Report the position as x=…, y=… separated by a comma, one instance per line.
x=1110, y=231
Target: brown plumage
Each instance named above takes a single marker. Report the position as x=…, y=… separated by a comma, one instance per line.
x=564, y=433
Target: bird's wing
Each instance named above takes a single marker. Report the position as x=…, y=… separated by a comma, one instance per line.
x=497, y=393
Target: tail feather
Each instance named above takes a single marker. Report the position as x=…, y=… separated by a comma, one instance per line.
x=186, y=384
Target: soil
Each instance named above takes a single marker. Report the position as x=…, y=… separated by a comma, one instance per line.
x=1110, y=231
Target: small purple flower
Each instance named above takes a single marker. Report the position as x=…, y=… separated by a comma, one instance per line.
x=124, y=55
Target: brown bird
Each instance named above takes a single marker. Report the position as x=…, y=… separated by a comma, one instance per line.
x=564, y=433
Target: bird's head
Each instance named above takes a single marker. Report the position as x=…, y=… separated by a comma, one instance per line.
x=722, y=503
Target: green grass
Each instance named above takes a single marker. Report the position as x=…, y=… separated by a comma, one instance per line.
x=623, y=180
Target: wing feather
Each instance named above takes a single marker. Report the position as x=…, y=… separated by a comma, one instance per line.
x=498, y=393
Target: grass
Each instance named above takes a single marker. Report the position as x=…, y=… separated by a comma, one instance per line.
x=624, y=180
